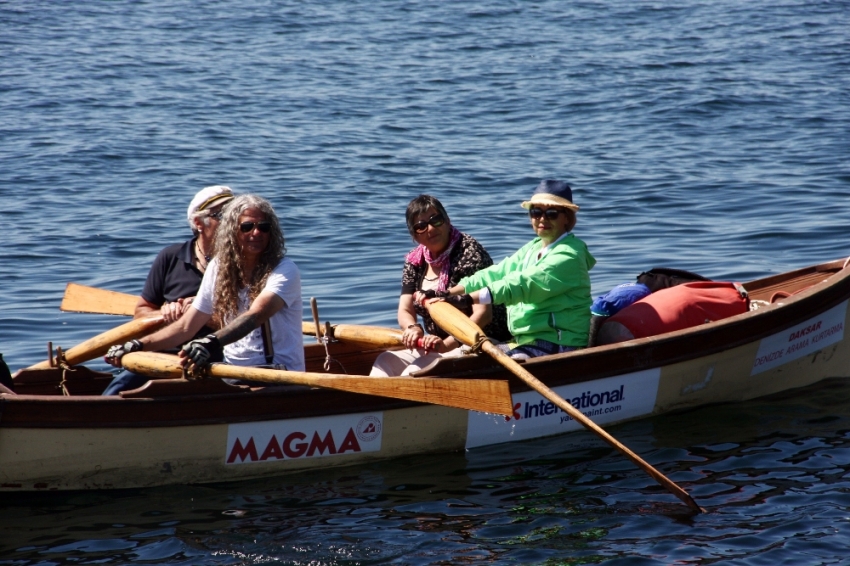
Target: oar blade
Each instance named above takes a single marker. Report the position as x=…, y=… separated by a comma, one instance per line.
x=81, y=298
x=484, y=395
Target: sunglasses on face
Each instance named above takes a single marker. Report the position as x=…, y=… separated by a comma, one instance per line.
x=436, y=221
x=263, y=227
x=215, y=215
x=549, y=213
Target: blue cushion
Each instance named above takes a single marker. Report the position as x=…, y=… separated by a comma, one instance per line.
x=618, y=298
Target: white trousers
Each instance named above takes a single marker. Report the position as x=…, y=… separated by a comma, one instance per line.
x=405, y=362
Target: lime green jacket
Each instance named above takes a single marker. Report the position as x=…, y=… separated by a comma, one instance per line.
x=547, y=298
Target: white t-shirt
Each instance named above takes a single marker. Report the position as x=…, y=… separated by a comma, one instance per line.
x=285, y=282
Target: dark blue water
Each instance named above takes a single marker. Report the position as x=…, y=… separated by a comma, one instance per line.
x=709, y=136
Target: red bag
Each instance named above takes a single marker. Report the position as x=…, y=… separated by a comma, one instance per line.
x=675, y=308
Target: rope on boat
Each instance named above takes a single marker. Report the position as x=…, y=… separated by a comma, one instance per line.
x=328, y=358
x=476, y=348
x=847, y=261
x=195, y=373
x=61, y=362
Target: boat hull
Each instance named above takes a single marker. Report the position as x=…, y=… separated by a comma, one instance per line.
x=178, y=432
x=45, y=459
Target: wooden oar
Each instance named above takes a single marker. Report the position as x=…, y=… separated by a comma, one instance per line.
x=82, y=298
x=458, y=325
x=97, y=346
x=486, y=395
x=369, y=336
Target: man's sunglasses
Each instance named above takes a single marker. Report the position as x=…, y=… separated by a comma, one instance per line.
x=263, y=227
x=216, y=215
x=549, y=213
x=436, y=221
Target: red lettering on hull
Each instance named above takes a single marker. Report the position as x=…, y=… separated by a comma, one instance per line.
x=249, y=452
x=293, y=447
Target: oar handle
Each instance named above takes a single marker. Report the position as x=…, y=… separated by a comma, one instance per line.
x=98, y=345
x=374, y=336
x=455, y=323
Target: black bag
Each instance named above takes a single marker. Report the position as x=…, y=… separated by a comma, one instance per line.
x=663, y=277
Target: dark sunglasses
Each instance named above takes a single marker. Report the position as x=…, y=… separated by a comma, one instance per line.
x=263, y=227
x=216, y=215
x=436, y=221
x=549, y=213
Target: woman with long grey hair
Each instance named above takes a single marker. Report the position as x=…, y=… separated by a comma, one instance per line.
x=251, y=287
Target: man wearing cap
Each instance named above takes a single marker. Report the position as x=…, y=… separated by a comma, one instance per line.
x=176, y=273
x=175, y=276
x=545, y=284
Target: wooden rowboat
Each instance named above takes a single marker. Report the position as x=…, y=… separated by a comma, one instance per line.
x=177, y=431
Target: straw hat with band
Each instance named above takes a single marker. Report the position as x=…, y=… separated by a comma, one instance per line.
x=552, y=193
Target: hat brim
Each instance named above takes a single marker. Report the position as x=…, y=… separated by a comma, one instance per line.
x=550, y=200
x=215, y=201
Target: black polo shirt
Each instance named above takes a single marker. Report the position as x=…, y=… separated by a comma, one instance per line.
x=173, y=275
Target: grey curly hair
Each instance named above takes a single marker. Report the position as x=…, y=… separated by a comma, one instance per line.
x=228, y=254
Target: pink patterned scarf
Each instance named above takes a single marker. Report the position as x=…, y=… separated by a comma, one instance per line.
x=420, y=253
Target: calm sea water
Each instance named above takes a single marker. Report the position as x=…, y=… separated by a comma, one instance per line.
x=710, y=136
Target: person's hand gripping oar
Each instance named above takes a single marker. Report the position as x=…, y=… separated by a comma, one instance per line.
x=458, y=325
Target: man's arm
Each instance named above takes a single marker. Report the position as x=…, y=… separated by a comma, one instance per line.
x=169, y=311
x=199, y=352
x=177, y=333
x=169, y=337
x=262, y=309
x=145, y=308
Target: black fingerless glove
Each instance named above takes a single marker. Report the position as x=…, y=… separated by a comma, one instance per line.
x=460, y=302
x=204, y=351
x=115, y=353
x=434, y=294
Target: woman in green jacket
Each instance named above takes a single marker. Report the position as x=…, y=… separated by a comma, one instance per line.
x=545, y=284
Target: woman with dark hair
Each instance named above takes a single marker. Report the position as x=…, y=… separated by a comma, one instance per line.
x=545, y=284
x=251, y=287
x=442, y=257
